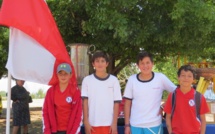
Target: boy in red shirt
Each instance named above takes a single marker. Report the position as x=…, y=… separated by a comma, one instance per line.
x=62, y=111
x=184, y=120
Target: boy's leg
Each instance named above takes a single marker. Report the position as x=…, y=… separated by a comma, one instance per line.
x=154, y=130
x=101, y=130
x=137, y=130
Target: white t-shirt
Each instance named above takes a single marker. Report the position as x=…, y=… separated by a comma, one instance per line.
x=146, y=99
x=101, y=94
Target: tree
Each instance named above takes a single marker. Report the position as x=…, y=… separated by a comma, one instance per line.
x=123, y=27
x=4, y=36
x=40, y=93
x=3, y=93
x=3, y=49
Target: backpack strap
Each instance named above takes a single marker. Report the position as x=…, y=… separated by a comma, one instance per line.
x=173, y=103
x=197, y=98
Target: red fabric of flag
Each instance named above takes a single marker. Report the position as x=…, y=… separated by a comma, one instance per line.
x=33, y=18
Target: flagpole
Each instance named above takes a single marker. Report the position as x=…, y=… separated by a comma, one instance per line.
x=8, y=104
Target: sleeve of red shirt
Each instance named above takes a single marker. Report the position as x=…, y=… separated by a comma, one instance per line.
x=204, y=106
x=168, y=105
x=76, y=115
x=46, y=124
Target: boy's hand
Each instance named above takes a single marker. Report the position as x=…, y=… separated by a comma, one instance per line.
x=113, y=129
x=88, y=128
x=160, y=112
x=127, y=130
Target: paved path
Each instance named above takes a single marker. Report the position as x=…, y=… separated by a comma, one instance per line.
x=35, y=103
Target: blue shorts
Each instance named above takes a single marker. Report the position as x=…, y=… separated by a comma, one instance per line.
x=151, y=130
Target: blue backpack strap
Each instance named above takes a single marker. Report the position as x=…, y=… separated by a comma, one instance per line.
x=197, y=98
x=173, y=103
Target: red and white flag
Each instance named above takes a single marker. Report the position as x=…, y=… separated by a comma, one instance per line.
x=35, y=45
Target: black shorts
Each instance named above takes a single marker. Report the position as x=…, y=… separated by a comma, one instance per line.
x=60, y=132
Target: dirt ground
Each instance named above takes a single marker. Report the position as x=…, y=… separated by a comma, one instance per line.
x=36, y=122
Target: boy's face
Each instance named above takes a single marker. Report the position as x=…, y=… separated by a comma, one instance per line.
x=145, y=65
x=63, y=77
x=185, y=78
x=100, y=64
x=20, y=82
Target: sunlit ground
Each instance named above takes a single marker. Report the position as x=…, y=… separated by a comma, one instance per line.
x=34, y=128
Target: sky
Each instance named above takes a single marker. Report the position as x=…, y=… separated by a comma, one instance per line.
x=30, y=86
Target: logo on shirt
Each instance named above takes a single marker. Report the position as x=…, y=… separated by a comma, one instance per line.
x=191, y=102
x=69, y=99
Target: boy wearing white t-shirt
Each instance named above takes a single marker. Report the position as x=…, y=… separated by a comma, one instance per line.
x=101, y=95
x=143, y=95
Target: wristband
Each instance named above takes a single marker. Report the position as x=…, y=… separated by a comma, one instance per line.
x=127, y=125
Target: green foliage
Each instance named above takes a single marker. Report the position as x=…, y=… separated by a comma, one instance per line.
x=39, y=94
x=3, y=93
x=4, y=35
x=193, y=25
x=125, y=73
x=122, y=27
x=169, y=68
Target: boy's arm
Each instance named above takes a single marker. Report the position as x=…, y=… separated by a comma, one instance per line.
x=87, y=125
x=203, y=110
x=85, y=110
x=115, y=117
x=46, y=123
x=161, y=109
x=76, y=115
x=13, y=94
x=168, y=123
x=167, y=83
x=203, y=124
x=127, y=112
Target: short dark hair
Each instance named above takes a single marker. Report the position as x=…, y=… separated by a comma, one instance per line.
x=142, y=55
x=100, y=54
x=186, y=68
